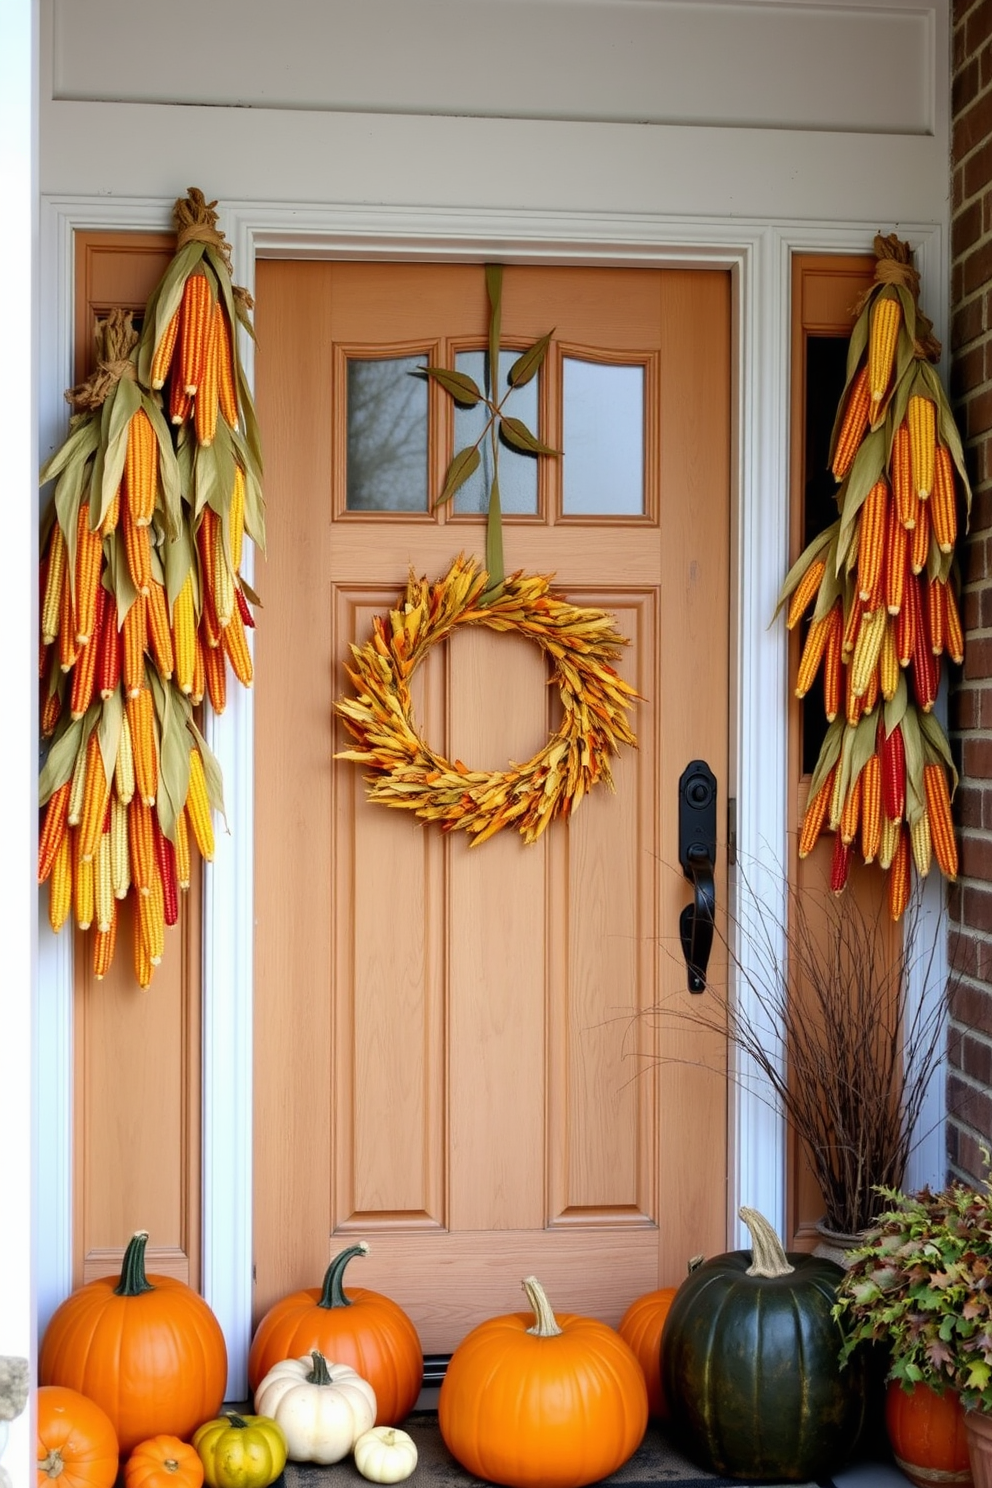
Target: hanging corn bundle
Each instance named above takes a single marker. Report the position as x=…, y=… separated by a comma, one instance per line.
x=140, y=586
x=878, y=590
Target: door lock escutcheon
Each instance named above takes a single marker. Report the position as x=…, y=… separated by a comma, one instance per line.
x=697, y=855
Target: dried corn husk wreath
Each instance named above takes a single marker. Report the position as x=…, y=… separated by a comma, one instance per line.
x=879, y=588
x=143, y=606
x=407, y=774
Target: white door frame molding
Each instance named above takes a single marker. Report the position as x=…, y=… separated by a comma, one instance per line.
x=758, y=255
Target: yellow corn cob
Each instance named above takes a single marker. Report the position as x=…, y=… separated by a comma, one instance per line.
x=182, y=850
x=883, y=333
x=140, y=480
x=141, y=717
x=919, y=547
x=205, y=405
x=223, y=579
x=162, y=360
x=196, y=307
x=809, y=662
x=833, y=666
x=143, y=968
x=138, y=550
x=77, y=788
x=135, y=640
x=236, y=518
x=198, y=807
x=852, y=624
x=95, y=798
x=871, y=538
x=51, y=604
x=112, y=515
x=836, y=801
x=867, y=650
x=854, y=702
x=897, y=540
x=124, y=766
x=938, y=798
x=943, y=508
x=850, y=815
x=901, y=477
x=60, y=884
x=103, y=886
x=853, y=426
x=889, y=841
x=82, y=888
x=919, y=833
x=184, y=635
x=120, y=861
x=104, y=945
x=159, y=634
x=871, y=808
x=816, y=814
x=227, y=387
x=954, y=632
x=151, y=919
x=142, y=844
x=89, y=552
x=199, y=673
x=888, y=663
x=215, y=671
x=236, y=646
x=899, y=876
x=920, y=415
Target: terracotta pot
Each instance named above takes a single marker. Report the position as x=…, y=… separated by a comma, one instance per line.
x=978, y=1425
x=928, y=1436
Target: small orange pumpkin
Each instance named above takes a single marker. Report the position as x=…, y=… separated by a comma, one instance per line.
x=554, y=1403
x=640, y=1328
x=364, y=1329
x=163, y=1462
x=148, y=1350
x=928, y=1436
x=77, y=1444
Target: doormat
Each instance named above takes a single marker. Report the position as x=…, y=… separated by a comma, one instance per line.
x=655, y=1461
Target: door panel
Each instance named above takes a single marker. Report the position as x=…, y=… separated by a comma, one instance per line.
x=455, y=1057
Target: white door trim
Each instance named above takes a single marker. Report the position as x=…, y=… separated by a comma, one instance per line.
x=758, y=254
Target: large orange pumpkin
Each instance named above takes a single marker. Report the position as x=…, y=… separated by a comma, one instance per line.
x=148, y=1350
x=640, y=1328
x=928, y=1436
x=553, y=1403
x=77, y=1444
x=364, y=1329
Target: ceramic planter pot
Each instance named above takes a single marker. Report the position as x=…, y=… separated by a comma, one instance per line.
x=928, y=1436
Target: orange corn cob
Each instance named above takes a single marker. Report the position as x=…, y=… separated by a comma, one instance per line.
x=870, y=695
x=236, y=646
x=95, y=798
x=89, y=553
x=112, y=515
x=53, y=829
x=816, y=815
x=60, y=887
x=198, y=807
x=159, y=634
x=215, y=670
x=139, y=825
x=943, y=507
x=84, y=673
x=183, y=868
x=151, y=919
x=901, y=476
x=197, y=303
x=921, y=417
x=919, y=546
x=954, y=632
x=68, y=645
x=140, y=481
x=850, y=816
x=893, y=757
x=199, y=673
x=871, y=808
x=853, y=426
x=925, y=669
x=227, y=384
x=162, y=360
x=840, y=865
x=871, y=538
x=883, y=333
x=108, y=664
x=852, y=624
x=833, y=666
x=938, y=798
x=143, y=968
x=854, y=702
x=896, y=545
x=141, y=719
x=809, y=662
x=50, y=711
x=907, y=621
x=135, y=642
x=124, y=765
x=937, y=615
x=180, y=403
x=104, y=945
x=899, y=876
x=51, y=604
x=138, y=548
x=205, y=405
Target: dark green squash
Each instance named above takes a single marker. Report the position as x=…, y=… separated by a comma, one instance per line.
x=750, y=1364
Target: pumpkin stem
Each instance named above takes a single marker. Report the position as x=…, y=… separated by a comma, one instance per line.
x=319, y=1374
x=767, y=1256
x=133, y=1279
x=53, y=1464
x=332, y=1292
x=545, y=1326
x=236, y=1420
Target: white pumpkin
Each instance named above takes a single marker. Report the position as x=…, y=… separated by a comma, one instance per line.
x=385, y=1454
x=322, y=1408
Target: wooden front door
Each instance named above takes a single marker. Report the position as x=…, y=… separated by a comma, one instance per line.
x=455, y=1056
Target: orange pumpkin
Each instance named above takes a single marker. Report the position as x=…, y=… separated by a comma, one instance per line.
x=555, y=1403
x=640, y=1328
x=148, y=1350
x=927, y=1433
x=77, y=1444
x=364, y=1329
x=163, y=1462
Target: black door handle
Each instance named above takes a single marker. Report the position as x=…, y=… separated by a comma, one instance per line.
x=697, y=855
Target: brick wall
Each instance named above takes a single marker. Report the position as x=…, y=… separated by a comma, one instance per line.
x=970, y=1072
